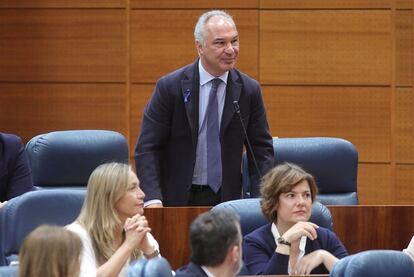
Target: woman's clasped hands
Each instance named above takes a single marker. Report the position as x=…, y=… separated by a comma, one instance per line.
x=136, y=229
x=301, y=228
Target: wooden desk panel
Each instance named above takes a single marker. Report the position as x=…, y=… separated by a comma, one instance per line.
x=170, y=227
x=359, y=228
x=373, y=227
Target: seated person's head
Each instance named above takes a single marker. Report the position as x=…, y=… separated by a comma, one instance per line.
x=301, y=246
x=113, y=194
x=215, y=240
x=50, y=251
x=284, y=188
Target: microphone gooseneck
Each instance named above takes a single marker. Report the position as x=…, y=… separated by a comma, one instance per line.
x=249, y=146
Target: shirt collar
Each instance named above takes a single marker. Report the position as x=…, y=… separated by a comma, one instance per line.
x=209, y=274
x=206, y=77
x=302, y=243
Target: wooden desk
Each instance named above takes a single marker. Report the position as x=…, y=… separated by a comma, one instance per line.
x=170, y=227
x=359, y=228
x=368, y=227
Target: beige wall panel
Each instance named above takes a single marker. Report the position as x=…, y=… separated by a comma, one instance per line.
x=163, y=40
x=199, y=4
x=360, y=115
x=62, y=3
x=404, y=133
x=62, y=45
x=404, y=48
x=375, y=185
x=31, y=109
x=325, y=47
x=326, y=4
x=140, y=95
x=404, y=184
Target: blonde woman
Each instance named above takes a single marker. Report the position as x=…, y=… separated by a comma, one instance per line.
x=290, y=244
x=111, y=224
x=50, y=251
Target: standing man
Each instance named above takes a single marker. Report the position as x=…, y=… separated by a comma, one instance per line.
x=191, y=143
x=215, y=242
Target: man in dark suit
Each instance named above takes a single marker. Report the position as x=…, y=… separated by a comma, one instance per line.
x=215, y=241
x=191, y=142
x=15, y=173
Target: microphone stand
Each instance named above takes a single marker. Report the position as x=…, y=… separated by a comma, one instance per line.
x=249, y=146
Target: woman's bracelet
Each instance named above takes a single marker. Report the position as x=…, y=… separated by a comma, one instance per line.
x=152, y=255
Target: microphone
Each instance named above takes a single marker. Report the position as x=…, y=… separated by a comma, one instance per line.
x=249, y=146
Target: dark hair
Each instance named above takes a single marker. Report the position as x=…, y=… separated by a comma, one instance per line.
x=211, y=236
x=281, y=179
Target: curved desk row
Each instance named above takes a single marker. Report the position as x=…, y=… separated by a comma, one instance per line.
x=359, y=228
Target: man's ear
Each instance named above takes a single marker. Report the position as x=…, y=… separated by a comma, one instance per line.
x=235, y=253
x=199, y=47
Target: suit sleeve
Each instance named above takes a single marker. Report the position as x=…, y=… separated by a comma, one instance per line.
x=153, y=137
x=261, y=141
x=20, y=180
x=335, y=246
x=260, y=259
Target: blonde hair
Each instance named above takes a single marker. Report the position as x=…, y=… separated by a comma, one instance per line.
x=106, y=185
x=281, y=179
x=50, y=251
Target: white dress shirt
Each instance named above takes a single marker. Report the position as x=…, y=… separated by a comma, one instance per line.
x=302, y=244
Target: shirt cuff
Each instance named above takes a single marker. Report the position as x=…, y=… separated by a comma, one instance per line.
x=153, y=201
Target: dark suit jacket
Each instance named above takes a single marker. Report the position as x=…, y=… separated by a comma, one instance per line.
x=166, y=150
x=15, y=173
x=260, y=257
x=190, y=270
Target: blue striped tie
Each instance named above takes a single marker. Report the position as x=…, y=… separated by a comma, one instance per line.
x=213, y=139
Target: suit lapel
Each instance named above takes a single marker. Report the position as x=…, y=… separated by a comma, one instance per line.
x=196, y=269
x=190, y=93
x=233, y=91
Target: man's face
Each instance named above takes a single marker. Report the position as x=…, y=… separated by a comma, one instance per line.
x=220, y=49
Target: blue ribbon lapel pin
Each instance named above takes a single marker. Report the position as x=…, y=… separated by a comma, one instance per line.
x=187, y=94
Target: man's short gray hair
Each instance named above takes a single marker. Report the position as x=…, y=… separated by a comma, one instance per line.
x=202, y=20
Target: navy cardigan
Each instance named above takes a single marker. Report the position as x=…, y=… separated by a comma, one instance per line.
x=260, y=257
